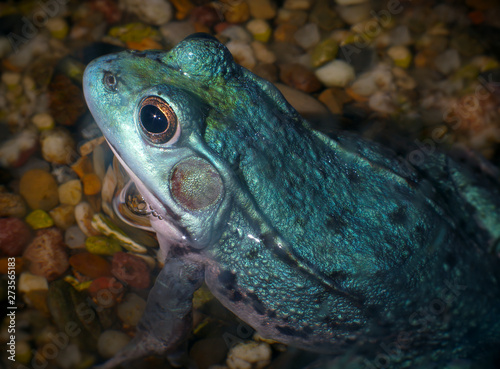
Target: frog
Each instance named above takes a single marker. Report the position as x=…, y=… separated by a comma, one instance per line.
x=332, y=244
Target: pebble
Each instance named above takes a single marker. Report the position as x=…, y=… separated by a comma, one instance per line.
x=131, y=309
x=46, y=255
x=249, y=355
x=284, y=32
x=130, y=269
x=39, y=219
x=17, y=150
x=334, y=99
x=82, y=166
x=12, y=205
x=102, y=245
x=91, y=184
x=298, y=4
x=208, y=352
x=307, y=36
x=401, y=56
x=324, y=52
x=299, y=77
x=39, y=189
x=236, y=33
x=262, y=53
x=350, y=2
x=242, y=53
x=70, y=193
x=260, y=29
x=175, y=32
x=106, y=291
x=325, y=17
x=93, y=266
x=335, y=73
x=83, y=217
x=400, y=35
x=43, y=121
x=295, y=18
x=382, y=103
x=14, y=236
x=448, y=61
x=30, y=282
x=263, y=9
x=235, y=11
x=57, y=27
x=74, y=238
x=63, y=216
x=155, y=12
x=110, y=342
x=352, y=14
x=105, y=226
x=66, y=103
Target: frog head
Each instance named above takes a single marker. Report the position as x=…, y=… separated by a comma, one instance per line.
x=174, y=120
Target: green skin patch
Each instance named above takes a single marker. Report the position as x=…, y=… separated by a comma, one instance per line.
x=333, y=245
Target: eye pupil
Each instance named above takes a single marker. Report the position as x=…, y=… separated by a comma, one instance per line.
x=153, y=119
x=158, y=120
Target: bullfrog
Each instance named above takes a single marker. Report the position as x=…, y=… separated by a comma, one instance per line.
x=332, y=244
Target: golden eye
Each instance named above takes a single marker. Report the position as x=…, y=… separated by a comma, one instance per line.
x=158, y=120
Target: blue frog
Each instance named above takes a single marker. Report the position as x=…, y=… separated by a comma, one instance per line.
x=331, y=244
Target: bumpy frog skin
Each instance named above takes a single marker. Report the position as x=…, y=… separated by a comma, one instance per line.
x=333, y=245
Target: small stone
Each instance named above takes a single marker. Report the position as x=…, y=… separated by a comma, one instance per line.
x=448, y=61
x=353, y=14
x=12, y=205
x=298, y=4
x=74, y=238
x=335, y=73
x=268, y=71
x=324, y=16
x=155, y=12
x=30, y=282
x=248, y=355
x=263, y=9
x=205, y=16
x=323, y=52
x=242, y=53
x=350, y=2
x=57, y=146
x=236, y=33
x=208, y=352
x=284, y=32
x=106, y=291
x=131, y=309
x=175, y=32
x=262, y=53
x=293, y=17
x=260, y=29
x=401, y=56
x=403, y=79
x=17, y=150
x=66, y=100
x=91, y=184
x=43, y=121
x=93, y=266
x=400, y=35
x=307, y=36
x=70, y=193
x=130, y=269
x=466, y=45
x=111, y=342
x=63, y=216
x=46, y=254
x=82, y=166
x=183, y=8
x=334, y=98
x=235, y=11
x=39, y=219
x=83, y=217
x=382, y=103
x=299, y=77
x=102, y=245
x=14, y=236
x=39, y=189
x=57, y=27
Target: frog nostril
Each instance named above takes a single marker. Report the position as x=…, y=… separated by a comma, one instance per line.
x=110, y=81
x=158, y=120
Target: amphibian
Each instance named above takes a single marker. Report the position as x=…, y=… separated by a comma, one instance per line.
x=331, y=244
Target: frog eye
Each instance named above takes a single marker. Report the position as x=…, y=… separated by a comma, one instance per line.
x=158, y=120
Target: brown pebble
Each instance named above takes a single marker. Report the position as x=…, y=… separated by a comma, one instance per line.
x=12, y=205
x=91, y=184
x=299, y=77
x=39, y=189
x=46, y=255
x=93, y=266
x=130, y=269
x=14, y=236
x=284, y=33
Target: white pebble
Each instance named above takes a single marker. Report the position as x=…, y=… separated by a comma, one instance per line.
x=43, y=121
x=262, y=53
x=307, y=36
x=237, y=33
x=111, y=342
x=381, y=102
x=30, y=282
x=242, y=53
x=83, y=217
x=57, y=146
x=156, y=12
x=258, y=27
x=249, y=355
x=353, y=14
x=335, y=73
x=74, y=238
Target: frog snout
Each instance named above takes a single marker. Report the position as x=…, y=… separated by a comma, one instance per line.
x=195, y=184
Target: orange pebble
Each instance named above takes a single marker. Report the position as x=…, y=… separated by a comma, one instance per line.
x=82, y=166
x=93, y=266
x=91, y=184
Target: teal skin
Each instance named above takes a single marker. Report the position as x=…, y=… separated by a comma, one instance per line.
x=333, y=245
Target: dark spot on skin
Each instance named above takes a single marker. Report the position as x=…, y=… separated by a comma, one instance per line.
x=257, y=305
x=236, y=296
x=308, y=330
x=252, y=254
x=227, y=279
x=271, y=314
x=288, y=331
x=398, y=216
x=352, y=176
